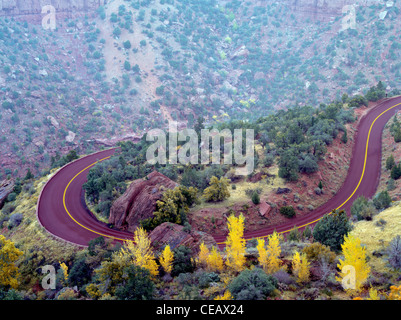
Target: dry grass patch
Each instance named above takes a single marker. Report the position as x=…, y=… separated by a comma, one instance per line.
x=376, y=234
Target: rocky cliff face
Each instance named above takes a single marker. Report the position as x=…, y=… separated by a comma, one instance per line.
x=317, y=9
x=34, y=7
x=323, y=10
x=139, y=201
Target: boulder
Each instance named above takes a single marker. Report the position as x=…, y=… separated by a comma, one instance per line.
x=43, y=73
x=283, y=190
x=241, y=52
x=139, y=201
x=259, y=75
x=228, y=102
x=54, y=122
x=70, y=137
x=175, y=236
x=264, y=209
x=6, y=187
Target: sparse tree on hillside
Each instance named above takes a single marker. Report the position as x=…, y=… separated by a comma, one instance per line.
x=331, y=229
x=173, y=207
x=344, y=138
x=262, y=254
x=183, y=261
x=382, y=200
x=390, y=162
x=9, y=255
x=29, y=175
x=288, y=166
x=218, y=190
x=215, y=261
x=363, y=209
x=252, y=284
x=273, y=253
x=300, y=267
x=255, y=197
x=166, y=259
x=394, y=253
x=396, y=171
x=203, y=255
x=137, y=284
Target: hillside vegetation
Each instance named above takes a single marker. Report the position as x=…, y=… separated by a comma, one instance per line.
x=133, y=65
x=105, y=78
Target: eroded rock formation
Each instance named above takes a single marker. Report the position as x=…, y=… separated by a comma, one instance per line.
x=139, y=201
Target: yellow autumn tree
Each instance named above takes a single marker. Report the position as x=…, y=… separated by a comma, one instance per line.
x=166, y=259
x=215, y=261
x=93, y=291
x=64, y=267
x=235, y=245
x=203, y=255
x=262, y=253
x=140, y=252
x=395, y=293
x=9, y=254
x=273, y=253
x=373, y=294
x=300, y=267
x=226, y=296
x=354, y=269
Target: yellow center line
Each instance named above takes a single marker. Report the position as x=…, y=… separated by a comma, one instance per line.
x=65, y=206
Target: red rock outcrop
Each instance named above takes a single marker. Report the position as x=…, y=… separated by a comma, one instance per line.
x=139, y=201
x=175, y=236
x=319, y=9
x=6, y=187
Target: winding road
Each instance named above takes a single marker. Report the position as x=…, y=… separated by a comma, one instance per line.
x=62, y=212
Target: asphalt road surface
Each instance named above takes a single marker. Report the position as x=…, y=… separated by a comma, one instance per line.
x=62, y=212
